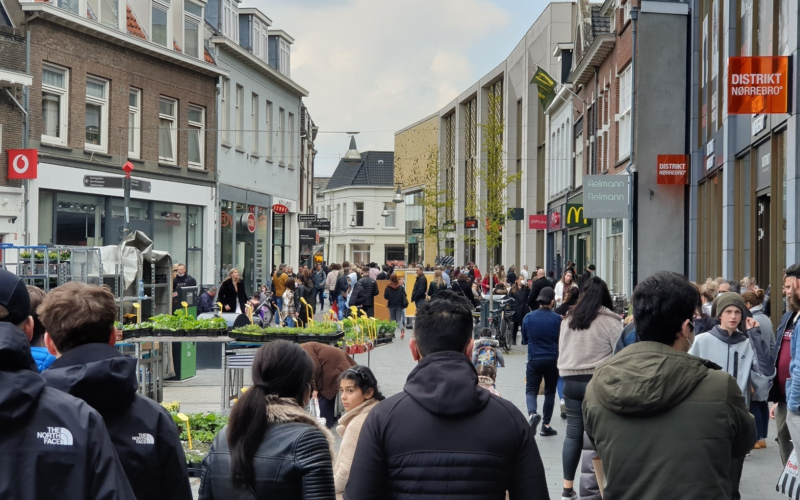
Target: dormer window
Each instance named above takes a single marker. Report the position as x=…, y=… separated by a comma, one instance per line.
x=192, y=19
x=230, y=19
x=160, y=24
x=283, y=61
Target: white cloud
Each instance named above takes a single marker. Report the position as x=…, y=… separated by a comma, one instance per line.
x=377, y=66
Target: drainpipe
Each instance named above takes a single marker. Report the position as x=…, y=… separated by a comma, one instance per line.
x=26, y=91
x=631, y=168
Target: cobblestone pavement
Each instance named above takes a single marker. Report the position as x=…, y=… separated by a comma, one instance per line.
x=392, y=363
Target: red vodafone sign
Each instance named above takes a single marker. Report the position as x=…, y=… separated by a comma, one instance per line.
x=23, y=163
x=537, y=222
x=251, y=222
x=280, y=209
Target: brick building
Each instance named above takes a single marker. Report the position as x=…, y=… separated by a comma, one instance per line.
x=600, y=139
x=115, y=85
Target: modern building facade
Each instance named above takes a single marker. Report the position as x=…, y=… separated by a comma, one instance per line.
x=261, y=123
x=366, y=225
x=744, y=182
x=115, y=82
x=461, y=145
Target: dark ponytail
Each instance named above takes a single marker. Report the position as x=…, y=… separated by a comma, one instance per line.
x=364, y=379
x=281, y=368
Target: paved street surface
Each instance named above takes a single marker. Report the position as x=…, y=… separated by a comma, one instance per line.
x=392, y=363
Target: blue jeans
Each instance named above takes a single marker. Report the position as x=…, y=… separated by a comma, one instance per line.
x=290, y=322
x=279, y=302
x=342, y=301
x=321, y=298
x=560, y=388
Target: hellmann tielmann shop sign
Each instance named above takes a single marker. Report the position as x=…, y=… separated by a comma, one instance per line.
x=605, y=196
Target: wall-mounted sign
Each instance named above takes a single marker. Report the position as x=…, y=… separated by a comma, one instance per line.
x=554, y=220
x=758, y=85
x=309, y=237
x=605, y=197
x=417, y=230
x=516, y=214
x=23, y=163
x=290, y=204
x=248, y=221
x=537, y=222
x=100, y=181
x=575, y=217
x=306, y=217
x=710, y=147
x=709, y=163
x=280, y=209
x=759, y=124
x=449, y=226
x=471, y=224
x=673, y=169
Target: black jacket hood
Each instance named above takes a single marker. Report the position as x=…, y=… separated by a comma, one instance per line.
x=97, y=374
x=20, y=382
x=446, y=383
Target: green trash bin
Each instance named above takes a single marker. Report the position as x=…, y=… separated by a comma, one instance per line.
x=184, y=355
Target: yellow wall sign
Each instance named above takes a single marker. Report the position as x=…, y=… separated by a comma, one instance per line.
x=575, y=216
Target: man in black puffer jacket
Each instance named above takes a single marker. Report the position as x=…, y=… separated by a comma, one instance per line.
x=420, y=287
x=422, y=442
x=53, y=445
x=369, y=289
x=79, y=319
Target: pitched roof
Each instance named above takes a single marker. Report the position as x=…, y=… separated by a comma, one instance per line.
x=376, y=168
x=133, y=25
x=600, y=24
x=175, y=45
x=207, y=57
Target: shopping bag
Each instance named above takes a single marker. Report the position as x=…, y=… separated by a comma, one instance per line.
x=321, y=420
x=789, y=484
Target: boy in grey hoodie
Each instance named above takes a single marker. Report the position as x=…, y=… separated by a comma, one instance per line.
x=736, y=345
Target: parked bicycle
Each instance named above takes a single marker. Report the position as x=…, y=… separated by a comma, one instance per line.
x=500, y=321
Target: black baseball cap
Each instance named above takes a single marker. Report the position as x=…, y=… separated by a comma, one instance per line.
x=546, y=295
x=14, y=297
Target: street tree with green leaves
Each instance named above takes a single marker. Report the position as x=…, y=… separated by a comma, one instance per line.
x=437, y=202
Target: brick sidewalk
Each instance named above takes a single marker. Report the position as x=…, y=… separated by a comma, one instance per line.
x=391, y=365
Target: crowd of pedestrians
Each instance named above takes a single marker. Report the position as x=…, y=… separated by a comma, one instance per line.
x=665, y=404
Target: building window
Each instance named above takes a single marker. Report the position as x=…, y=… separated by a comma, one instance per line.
x=268, y=113
x=197, y=120
x=290, y=154
x=104, y=11
x=265, y=44
x=579, y=159
x=626, y=12
x=226, y=111
x=239, y=115
x=167, y=131
x=230, y=20
x=254, y=124
x=55, y=104
x=359, y=206
x=625, y=113
x=96, y=114
x=134, y=122
x=160, y=25
x=283, y=63
x=255, y=41
x=391, y=221
x=192, y=18
x=281, y=137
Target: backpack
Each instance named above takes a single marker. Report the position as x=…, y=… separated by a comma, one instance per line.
x=486, y=356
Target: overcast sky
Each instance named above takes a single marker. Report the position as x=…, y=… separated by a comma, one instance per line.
x=376, y=66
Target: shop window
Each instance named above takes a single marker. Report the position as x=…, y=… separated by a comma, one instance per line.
x=134, y=122
x=391, y=221
x=239, y=115
x=159, y=31
x=55, y=102
x=79, y=219
x=196, y=137
x=280, y=239
x=254, y=124
x=96, y=114
x=167, y=130
x=361, y=254
x=268, y=114
x=359, y=207
x=226, y=238
x=170, y=230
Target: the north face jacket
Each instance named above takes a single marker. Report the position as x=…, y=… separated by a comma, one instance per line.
x=422, y=444
x=53, y=445
x=144, y=434
x=666, y=424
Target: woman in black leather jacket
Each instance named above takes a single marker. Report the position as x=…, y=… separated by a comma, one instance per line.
x=272, y=448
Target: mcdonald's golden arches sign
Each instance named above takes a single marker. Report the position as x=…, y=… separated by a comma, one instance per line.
x=575, y=216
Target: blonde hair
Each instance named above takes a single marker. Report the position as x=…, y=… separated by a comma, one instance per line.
x=748, y=281
x=709, y=290
x=230, y=275
x=437, y=278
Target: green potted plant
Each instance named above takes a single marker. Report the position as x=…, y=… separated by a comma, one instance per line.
x=25, y=256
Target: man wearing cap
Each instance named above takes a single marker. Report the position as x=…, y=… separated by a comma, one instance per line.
x=588, y=274
x=737, y=346
x=540, y=330
x=53, y=445
x=79, y=319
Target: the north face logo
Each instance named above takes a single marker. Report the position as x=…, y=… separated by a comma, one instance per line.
x=144, y=438
x=56, y=435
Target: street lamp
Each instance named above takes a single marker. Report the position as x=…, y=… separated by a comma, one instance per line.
x=352, y=221
x=385, y=212
x=398, y=196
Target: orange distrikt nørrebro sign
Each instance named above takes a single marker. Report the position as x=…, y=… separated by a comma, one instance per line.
x=673, y=169
x=758, y=85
